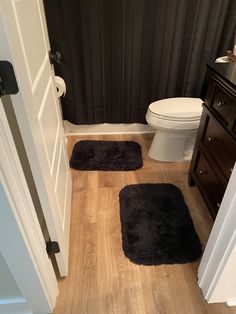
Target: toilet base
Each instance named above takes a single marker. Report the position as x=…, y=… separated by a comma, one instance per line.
x=172, y=147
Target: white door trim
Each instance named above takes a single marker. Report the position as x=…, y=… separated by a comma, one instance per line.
x=31, y=258
x=219, y=250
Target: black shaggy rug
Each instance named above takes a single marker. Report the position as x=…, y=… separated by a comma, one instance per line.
x=156, y=225
x=106, y=155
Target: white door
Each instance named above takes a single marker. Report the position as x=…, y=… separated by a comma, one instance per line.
x=24, y=42
x=27, y=281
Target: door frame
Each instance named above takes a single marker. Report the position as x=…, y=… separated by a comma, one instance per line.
x=21, y=243
x=214, y=270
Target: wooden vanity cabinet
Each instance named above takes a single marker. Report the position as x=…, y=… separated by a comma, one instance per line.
x=215, y=148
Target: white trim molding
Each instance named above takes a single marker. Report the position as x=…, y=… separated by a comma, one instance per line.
x=21, y=241
x=107, y=128
x=231, y=302
x=217, y=272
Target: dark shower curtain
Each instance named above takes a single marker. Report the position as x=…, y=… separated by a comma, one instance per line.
x=120, y=55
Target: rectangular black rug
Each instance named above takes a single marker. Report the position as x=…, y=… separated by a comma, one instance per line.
x=106, y=155
x=156, y=225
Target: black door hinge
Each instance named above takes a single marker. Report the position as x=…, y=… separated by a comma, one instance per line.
x=8, y=84
x=52, y=247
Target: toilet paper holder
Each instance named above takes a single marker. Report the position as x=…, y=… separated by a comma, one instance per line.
x=54, y=57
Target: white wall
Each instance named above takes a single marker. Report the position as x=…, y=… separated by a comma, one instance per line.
x=8, y=286
x=226, y=288
x=217, y=271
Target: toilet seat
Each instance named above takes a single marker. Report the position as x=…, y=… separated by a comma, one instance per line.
x=180, y=109
x=160, y=122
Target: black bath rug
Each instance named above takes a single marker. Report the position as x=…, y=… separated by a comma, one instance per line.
x=156, y=225
x=106, y=155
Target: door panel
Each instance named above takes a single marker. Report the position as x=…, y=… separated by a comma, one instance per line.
x=39, y=115
x=30, y=33
x=62, y=177
x=49, y=122
x=39, y=86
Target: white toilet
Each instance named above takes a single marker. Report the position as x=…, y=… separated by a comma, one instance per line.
x=176, y=121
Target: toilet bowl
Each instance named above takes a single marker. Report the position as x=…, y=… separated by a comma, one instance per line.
x=176, y=121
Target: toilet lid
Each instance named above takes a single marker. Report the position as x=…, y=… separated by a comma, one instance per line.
x=178, y=108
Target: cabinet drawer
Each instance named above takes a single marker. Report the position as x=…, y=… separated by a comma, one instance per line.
x=223, y=103
x=211, y=187
x=221, y=146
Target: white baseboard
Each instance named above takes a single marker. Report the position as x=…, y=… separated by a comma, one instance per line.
x=106, y=128
x=231, y=302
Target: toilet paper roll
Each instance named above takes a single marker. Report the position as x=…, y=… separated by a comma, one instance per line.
x=61, y=86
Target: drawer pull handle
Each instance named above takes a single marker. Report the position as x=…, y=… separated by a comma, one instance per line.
x=220, y=104
x=218, y=205
x=210, y=139
x=201, y=172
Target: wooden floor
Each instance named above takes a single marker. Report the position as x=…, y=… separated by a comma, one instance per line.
x=101, y=279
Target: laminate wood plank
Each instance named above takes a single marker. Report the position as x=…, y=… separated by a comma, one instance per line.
x=101, y=279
